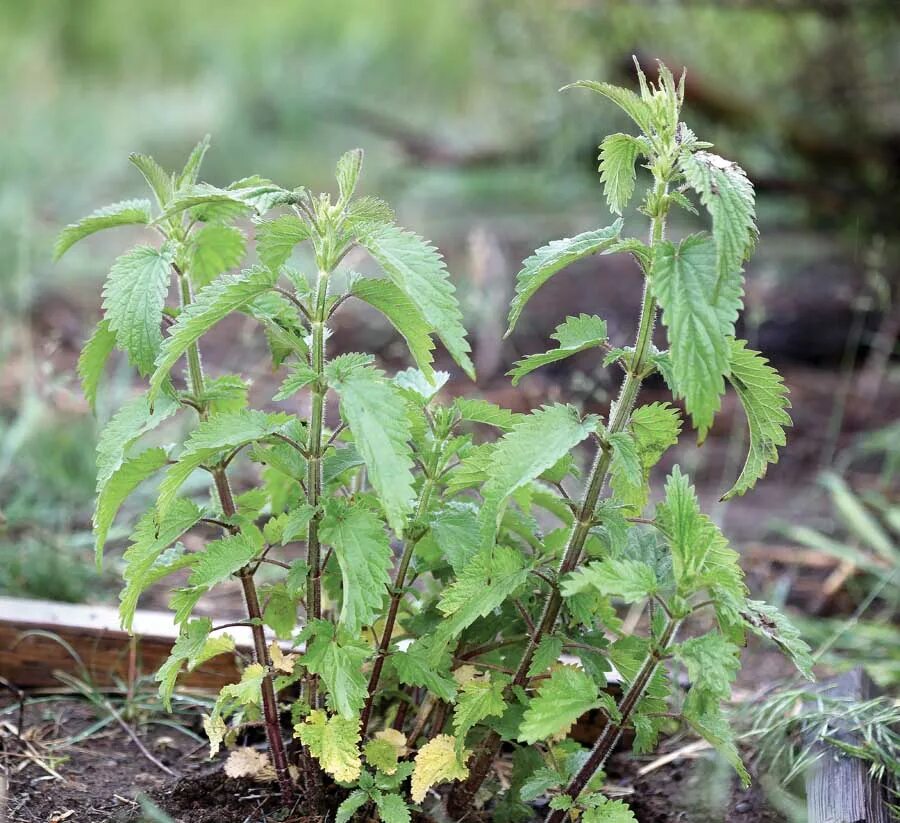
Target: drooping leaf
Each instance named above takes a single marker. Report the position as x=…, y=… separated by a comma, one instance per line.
x=575, y=335
x=126, y=213
x=712, y=663
x=768, y=622
x=618, y=154
x=334, y=742
x=363, y=552
x=375, y=411
x=394, y=303
x=699, y=321
x=338, y=661
x=417, y=268
x=275, y=239
x=193, y=647
x=554, y=257
x=215, y=249
x=224, y=295
x=92, y=360
x=559, y=702
x=148, y=542
x=703, y=712
x=133, y=301
x=764, y=397
x=437, y=762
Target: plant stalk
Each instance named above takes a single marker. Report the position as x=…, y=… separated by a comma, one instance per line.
x=460, y=798
x=226, y=499
x=613, y=731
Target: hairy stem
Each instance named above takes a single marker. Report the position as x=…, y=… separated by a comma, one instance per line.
x=613, y=731
x=461, y=798
x=226, y=499
x=315, y=448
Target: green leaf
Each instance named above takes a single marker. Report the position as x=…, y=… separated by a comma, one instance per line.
x=546, y=655
x=280, y=613
x=416, y=666
x=537, y=442
x=403, y=314
x=764, y=397
x=301, y=376
x=133, y=301
x=626, y=471
x=148, y=542
x=340, y=666
x=455, y=530
x=126, y=213
x=704, y=715
x=384, y=751
x=392, y=808
x=575, y=335
x=351, y=805
x=334, y=742
x=631, y=580
x=296, y=523
x=618, y=154
x=554, y=257
x=222, y=558
x=437, y=762
x=215, y=249
x=375, y=411
x=214, y=435
x=699, y=323
x=476, y=410
x=416, y=267
x=193, y=646
x=484, y=584
x=726, y=192
x=224, y=295
x=207, y=204
x=608, y=811
x=92, y=360
x=478, y=699
x=364, y=213
x=116, y=490
x=712, y=663
x=636, y=108
x=768, y=622
x=275, y=239
x=188, y=176
x=347, y=174
x=159, y=180
x=364, y=555
x=559, y=702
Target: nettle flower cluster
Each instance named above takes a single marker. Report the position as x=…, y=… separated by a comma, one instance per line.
x=419, y=595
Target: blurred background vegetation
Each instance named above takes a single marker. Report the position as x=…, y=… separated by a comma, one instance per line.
x=457, y=107
x=466, y=134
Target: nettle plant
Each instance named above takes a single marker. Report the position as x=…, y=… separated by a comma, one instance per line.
x=432, y=596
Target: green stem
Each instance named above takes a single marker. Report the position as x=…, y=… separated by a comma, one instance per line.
x=315, y=448
x=461, y=798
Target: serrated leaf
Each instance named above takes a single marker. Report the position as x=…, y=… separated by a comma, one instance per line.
x=275, y=239
x=392, y=808
x=224, y=295
x=698, y=320
x=631, y=580
x=726, y=192
x=712, y=663
x=455, y=530
x=618, y=154
x=768, y=622
x=296, y=523
x=704, y=715
x=126, y=213
x=213, y=435
x=437, y=762
x=478, y=699
x=92, y=360
x=364, y=555
x=351, y=805
x=339, y=664
x=559, y=702
x=193, y=647
x=133, y=301
x=334, y=742
x=347, y=173
x=552, y=258
x=214, y=249
x=220, y=559
x=384, y=751
x=375, y=411
x=366, y=212
x=301, y=376
x=403, y=314
x=476, y=410
x=546, y=655
x=626, y=471
x=636, y=108
x=575, y=335
x=188, y=175
x=416, y=666
x=515, y=461
x=116, y=490
x=159, y=180
x=148, y=542
x=764, y=397
x=417, y=268
x=609, y=811
x=207, y=204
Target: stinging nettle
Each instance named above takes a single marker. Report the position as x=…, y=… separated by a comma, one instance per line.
x=420, y=594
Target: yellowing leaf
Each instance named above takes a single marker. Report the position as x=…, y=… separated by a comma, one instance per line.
x=334, y=742
x=215, y=729
x=384, y=751
x=436, y=762
x=280, y=661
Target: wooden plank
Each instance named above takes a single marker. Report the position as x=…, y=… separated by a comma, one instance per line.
x=838, y=787
x=29, y=661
